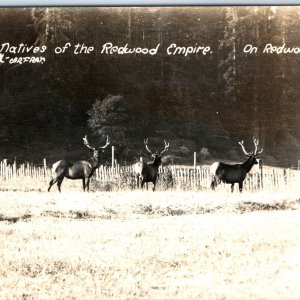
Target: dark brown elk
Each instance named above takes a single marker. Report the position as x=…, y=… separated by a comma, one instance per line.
x=148, y=172
x=234, y=173
x=81, y=169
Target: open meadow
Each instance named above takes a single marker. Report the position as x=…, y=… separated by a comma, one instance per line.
x=145, y=245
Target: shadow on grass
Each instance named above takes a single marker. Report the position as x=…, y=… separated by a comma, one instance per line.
x=249, y=206
x=169, y=211
x=25, y=217
x=84, y=215
x=242, y=207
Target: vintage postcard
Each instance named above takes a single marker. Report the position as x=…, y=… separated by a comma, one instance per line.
x=150, y=152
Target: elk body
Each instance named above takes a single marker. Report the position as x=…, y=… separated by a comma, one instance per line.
x=148, y=172
x=81, y=169
x=234, y=173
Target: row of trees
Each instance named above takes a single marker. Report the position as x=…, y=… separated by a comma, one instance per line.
x=197, y=101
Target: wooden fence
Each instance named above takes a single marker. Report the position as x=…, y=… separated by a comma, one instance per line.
x=123, y=177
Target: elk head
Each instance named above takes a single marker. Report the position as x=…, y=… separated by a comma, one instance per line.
x=96, y=150
x=252, y=155
x=156, y=155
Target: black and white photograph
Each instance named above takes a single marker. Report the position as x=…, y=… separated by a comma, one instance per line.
x=150, y=152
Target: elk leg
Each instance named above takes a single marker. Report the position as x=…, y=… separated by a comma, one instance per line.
x=87, y=184
x=213, y=183
x=59, y=182
x=232, y=187
x=154, y=183
x=83, y=184
x=142, y=184
x=50, y=184
x=240, y=186
x=52, y=181
x=172, y=183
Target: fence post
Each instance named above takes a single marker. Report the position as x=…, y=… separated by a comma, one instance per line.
x=5, y=169
x=260, y=165
x=112, y=156
x=45, y=167
x=15, y=169
x=195, y=160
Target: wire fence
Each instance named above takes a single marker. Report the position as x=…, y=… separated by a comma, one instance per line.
x=30, y=177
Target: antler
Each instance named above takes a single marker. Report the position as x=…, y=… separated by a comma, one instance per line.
x=146, y=144
x=243, y=148
x=166, y=147
x=106, y=144
x=256, y=143
x=85, y=140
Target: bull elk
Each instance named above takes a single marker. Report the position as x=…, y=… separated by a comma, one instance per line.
x=81, y=169
x=148, y=172
x=235, y=173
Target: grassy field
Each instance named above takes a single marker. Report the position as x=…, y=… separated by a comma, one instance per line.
x=145, y=245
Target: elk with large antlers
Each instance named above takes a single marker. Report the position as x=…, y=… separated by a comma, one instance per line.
x=81, y=169
x=234, y=173
x=148, y=172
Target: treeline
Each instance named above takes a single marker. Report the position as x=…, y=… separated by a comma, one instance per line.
x=193, y=101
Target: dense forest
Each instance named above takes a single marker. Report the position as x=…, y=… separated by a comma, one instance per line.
x=203, y=103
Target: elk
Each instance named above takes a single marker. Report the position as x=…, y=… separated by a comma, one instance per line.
x=235, y=173
x=81, y=169
x=148, y=172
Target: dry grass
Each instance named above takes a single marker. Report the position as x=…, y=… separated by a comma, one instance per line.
x=144, y=245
